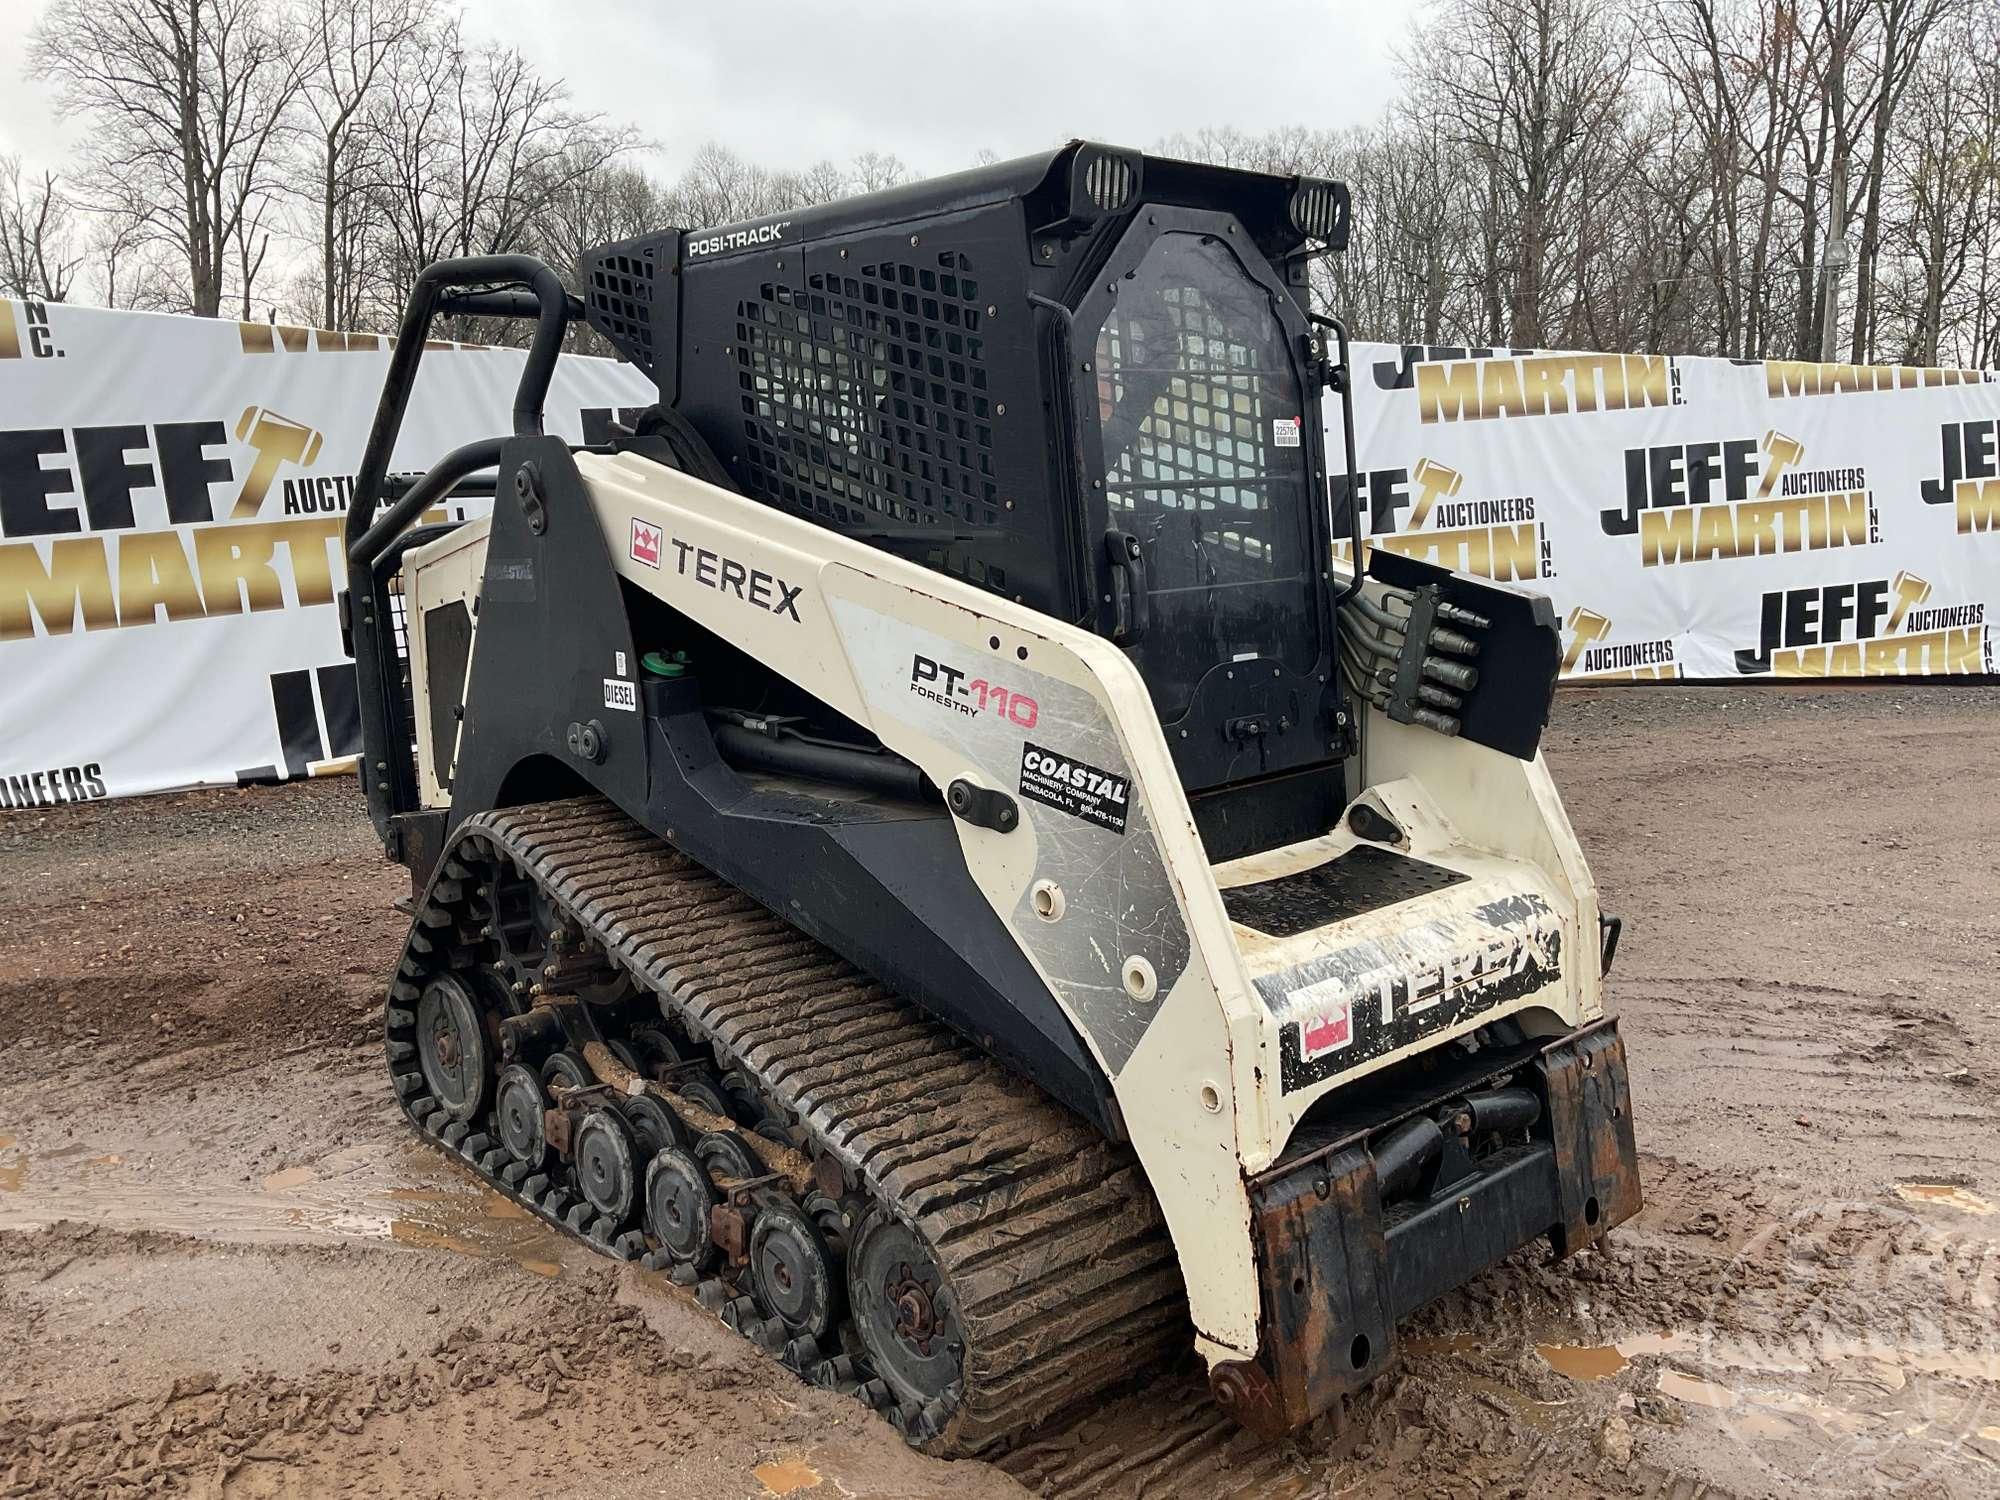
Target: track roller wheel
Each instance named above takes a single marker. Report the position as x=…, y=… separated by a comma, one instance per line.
x=678, y=1199
x=904, y=1311
x=702, y=1091
x=724, y=1154
x=831, y=1219
x=607, y=1165
x=452, y=1047
x=625, y=1055
x=658, y=1052
x=568, y=1069
x=774, y=1131
x=655, y=1126
x=793, y=1272
x=746, y=1105
x=518, y=1113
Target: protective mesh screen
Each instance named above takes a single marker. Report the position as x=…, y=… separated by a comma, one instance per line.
x=865, y=403
x=1191, y=380
x=621, y=302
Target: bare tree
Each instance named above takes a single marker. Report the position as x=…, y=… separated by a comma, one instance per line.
x=350, y=44
x=39, y=257
x=188, y=102
x=1944, y=172
x=1533, y=92
x=875, y=170
x=471, y=144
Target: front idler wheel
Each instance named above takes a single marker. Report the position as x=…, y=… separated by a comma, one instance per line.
x=607, y=1165
x=452, y=1047
x=678, y=1199
x=792, y=1272
x=905, y=1312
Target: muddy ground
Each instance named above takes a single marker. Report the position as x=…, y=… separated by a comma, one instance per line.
x=227, y=1269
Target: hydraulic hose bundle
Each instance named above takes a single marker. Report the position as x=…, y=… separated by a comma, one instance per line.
x=1410, y=654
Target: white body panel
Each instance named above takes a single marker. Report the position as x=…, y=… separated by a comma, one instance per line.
x=1194, y=1060
x=446, y=571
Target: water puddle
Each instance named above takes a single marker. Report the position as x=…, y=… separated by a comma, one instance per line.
x=1602, y=1361
x=1696, y=1392
x=786, y=1476
x=404, y=1198
x=1949, y=1194
x=482, y=1224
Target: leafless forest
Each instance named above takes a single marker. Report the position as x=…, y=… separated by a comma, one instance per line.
x=1753, y=178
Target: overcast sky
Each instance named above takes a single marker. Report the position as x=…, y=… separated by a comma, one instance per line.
x=931, y=81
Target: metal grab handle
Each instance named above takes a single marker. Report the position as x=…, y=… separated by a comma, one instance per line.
x=1343, y=382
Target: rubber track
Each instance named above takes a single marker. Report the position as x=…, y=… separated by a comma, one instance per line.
x=1062, y=1271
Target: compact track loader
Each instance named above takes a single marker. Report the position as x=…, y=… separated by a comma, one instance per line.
x=914, y=837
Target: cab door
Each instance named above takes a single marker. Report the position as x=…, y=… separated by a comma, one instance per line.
x=1203, y=454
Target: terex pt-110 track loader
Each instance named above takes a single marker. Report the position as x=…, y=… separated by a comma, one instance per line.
x=914, y=837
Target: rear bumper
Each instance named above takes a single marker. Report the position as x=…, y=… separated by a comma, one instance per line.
x=1339, y=1269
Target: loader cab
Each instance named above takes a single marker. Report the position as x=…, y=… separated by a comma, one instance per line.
x=1085, y=381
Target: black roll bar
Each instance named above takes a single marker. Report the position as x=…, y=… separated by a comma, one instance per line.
x=483, y=286
x=438, y=481
x=552, y=311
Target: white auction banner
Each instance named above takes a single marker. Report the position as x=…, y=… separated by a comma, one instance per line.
x=172, y=493
x=1698, y=518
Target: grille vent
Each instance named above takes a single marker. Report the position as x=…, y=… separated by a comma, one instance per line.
x=1107, y=181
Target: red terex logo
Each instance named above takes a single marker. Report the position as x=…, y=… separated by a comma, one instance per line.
x=646, y=543
x=1328, y=1033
